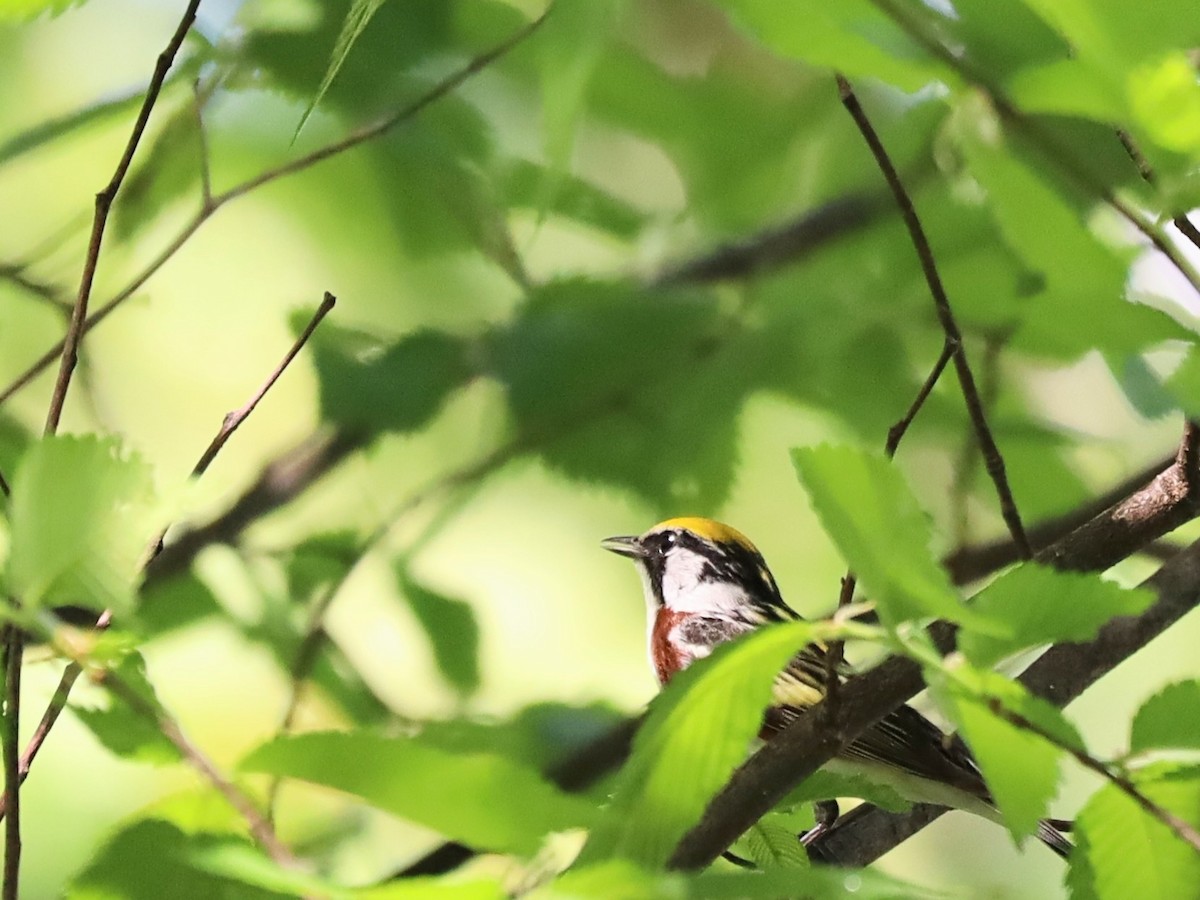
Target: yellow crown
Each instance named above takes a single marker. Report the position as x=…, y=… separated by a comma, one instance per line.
x=709, y=529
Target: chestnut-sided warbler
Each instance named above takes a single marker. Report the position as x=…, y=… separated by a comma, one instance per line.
x=706, y=583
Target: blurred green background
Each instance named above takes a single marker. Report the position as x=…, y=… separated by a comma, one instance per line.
x=695, y=134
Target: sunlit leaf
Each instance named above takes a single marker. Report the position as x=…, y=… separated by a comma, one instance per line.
x=697, y=731
x=468, y=797
x=83, y=512
x=871, y=514
x=1037, y=605
x=1167, y=719
x=1020, y=766
x=1126, y=852
x=357, y=18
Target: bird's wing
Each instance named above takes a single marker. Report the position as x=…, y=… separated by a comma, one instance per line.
x=904, y=739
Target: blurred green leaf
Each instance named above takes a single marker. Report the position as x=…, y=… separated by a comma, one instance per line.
x=852, y=36
x=83, y=512
x=570, y=48
x=397, y=389
x=824, y=785
x=521, y=185
x=1034, y=605
x=169, y=167
x=149, y=860
x=319, y=560
x=871, y=514
x=29, y=9
x=483, y=800
x=1123, y=852
x=173, y=603
x=357, y=18
x=542, y=734
x=1167, y=719
x=604, y=378
x=1082, y=305
x=451, y=628
x=1021, y=768
x=124, y=732
x=697, y=731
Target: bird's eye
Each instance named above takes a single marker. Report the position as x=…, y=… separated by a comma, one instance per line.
x=671, y=539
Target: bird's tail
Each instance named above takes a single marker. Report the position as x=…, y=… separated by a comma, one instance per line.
x=1050, y=833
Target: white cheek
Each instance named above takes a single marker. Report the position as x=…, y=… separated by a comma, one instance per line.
x=683, y=590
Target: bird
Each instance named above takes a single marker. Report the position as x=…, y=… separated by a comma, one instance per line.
x=705, y=583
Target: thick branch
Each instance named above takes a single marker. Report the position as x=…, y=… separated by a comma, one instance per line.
x=1060, y=675
x=810, y=741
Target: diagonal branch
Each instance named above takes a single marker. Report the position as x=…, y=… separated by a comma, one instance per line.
x=1069, y=165
x=104, y=202
x=62, y=693
x=1183, y=829
x=208, y=209
x=812, y=740
x=993, y=461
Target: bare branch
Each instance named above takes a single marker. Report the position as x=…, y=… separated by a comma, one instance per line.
x=234, y=419
x=259, y=827
x=966, y=379
x=104, y=201
x=13, y=651
x=229, y=425
x=207, y=210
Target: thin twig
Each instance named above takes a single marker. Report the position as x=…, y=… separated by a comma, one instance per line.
x=837, y=649
x=234, y=419
x=104, y=201
x=1183, y=829
x=14, y=648
x=207, y=210
x=17, y=274
x=1069, y=165
x=229, y=425
x=1181, y=221
x=964, y=466
x=259, y=827
x=966, y=379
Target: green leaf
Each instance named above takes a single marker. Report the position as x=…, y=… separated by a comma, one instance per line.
x=1021, y=768
x=171, y=166
x=83, y=512
x=607, y=376
x=481, y=799
x=1124, y=852
x=17, y=10
x=851, y=36
x=1168, y=719
x=521, y=185
x=1082, y=302
x=870, y=513
x=359, y=14
x=1034, y=604
x=697, y=731
x=451, y=628
x=148, y=860
x=773, y=845
x=571, y=43
x=825, y=785
x=124, y=732
x=398, y=389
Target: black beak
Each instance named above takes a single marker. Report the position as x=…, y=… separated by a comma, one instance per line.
x=625, y=545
